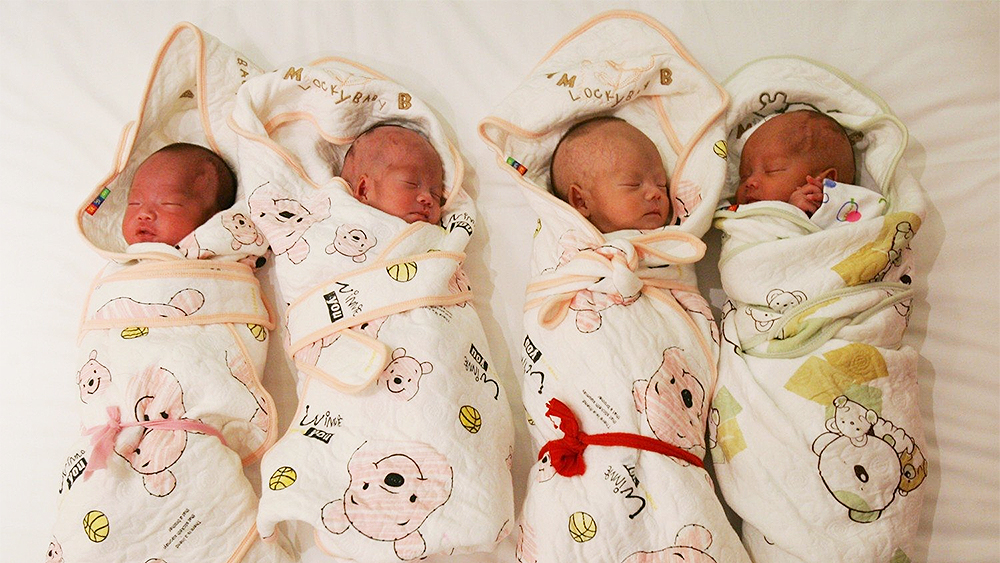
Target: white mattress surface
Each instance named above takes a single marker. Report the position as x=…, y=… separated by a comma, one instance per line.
x=72, y=74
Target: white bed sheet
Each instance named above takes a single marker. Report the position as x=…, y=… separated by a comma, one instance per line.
x=72, y=74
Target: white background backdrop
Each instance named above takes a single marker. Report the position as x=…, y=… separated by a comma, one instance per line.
x=72, y=74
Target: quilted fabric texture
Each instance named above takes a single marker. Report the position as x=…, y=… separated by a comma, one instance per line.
x=172, y=346
x=402, y=442
x=815, y=422
x=620, y=346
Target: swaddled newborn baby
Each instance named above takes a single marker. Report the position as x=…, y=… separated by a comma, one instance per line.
x=612, y=174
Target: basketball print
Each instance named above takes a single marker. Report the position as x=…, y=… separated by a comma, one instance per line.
x=470, y=418
x=402, y=271
x=582, y=527
x=96, y=526
x=282, y=478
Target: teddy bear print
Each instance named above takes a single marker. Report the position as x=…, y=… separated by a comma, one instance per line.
x=189, y=247
x=352, y=241
x=674, y=402
x=394, y=487
x=54, y=554
x=689, y=547
x=780, y=300
x=151, y=451
x=852, y=419
x=183, y=303
x=545, y=470
x=402, y=376
x=695, y=304
x=284, y=221
x=244, y=232
x=865, y=460
x=92, y=378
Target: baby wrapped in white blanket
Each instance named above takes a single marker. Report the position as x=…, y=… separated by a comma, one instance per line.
x=816, y=415
x=402, y=443
x=173, y=337
x=620, y=352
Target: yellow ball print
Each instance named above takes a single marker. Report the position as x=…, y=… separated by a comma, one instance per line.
x=96, y=526
x=403, y=271
x=282, y=478
x=259, y=333
x=470, y=418
x=582, y=527
x=134, y=332
x=721, y=149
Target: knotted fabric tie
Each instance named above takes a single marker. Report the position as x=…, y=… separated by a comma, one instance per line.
x=566, y=453
x=102, y=438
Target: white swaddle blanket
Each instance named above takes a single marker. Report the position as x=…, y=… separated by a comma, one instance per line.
x=620, y=352
x=816, y=415
x=172, y=344
x=402, y=443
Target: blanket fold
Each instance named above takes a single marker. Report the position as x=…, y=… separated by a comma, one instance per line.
x=402, y=442
x=172, y=344
x=816, y=421
x=619, y=356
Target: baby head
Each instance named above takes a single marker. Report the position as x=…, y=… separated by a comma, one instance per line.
x=785, y=149
x=612, y=174
x=175, y=190
x=396, y=170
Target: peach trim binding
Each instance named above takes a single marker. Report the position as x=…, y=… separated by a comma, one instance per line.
x=276, y=121
x=190, y=269
x=272, y=418
x=245, y=545
x=683, y=152
x=131, y=130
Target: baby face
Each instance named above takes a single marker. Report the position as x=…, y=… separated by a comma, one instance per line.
x=171, y=195
x=625, y=186
x=409, y=184
x=778, y=156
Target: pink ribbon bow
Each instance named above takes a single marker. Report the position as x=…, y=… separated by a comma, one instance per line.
x=102, y=438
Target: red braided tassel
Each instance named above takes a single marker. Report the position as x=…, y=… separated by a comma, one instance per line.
x=566, y=453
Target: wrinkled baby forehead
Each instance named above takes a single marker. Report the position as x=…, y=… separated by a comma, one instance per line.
x=392, y=141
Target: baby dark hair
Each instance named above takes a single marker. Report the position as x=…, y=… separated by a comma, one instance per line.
x=225, y=195
x=579, y=129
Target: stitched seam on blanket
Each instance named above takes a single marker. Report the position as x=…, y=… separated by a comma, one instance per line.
x=900, y=292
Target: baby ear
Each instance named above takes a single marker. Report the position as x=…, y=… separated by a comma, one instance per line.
x=830, y=173
x=361, y=188
x=576, y=196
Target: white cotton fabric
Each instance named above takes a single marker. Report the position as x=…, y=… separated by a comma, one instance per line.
x=615, y=327
x=819, y=441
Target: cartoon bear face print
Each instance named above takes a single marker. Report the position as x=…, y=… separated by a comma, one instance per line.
x=402, y=376
x=780, y=300
x=689, y=547
x=157, y=396
x=394, y=487
x=54, y=553
x=352, y=241
x=864, y=478
x=544, y=469
x=674, y=402
x=852, y=419
x=244, y=232
x=92, y=378
x=284, y=221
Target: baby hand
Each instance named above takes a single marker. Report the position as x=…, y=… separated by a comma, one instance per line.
x=808, y=197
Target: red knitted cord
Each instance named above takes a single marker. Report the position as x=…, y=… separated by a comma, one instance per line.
x=566, y=453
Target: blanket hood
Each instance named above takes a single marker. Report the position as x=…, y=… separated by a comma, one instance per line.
x=781, y=84
x=628, y=65
x=189, y=96
x=308, y=116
